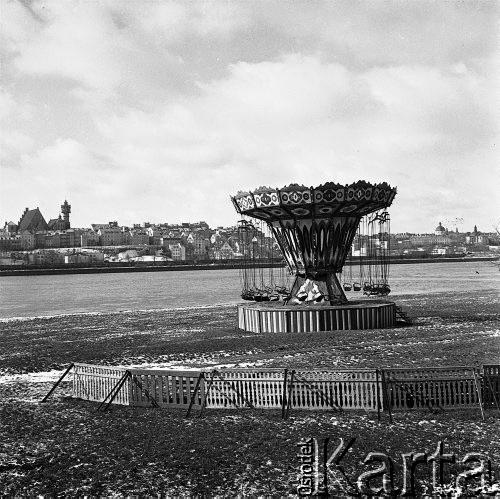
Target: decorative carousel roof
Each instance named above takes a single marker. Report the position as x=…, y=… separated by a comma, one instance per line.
x=324, y=201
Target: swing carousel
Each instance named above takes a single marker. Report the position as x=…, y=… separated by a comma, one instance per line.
x=334, y=240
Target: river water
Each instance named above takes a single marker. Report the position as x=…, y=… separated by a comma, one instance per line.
x=33, y=296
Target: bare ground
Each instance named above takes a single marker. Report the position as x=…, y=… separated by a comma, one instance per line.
x=63, y=448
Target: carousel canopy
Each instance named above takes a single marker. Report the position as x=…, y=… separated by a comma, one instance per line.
x=325, y=201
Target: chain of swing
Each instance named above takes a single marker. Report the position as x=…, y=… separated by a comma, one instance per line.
x=263, y=274
x=367, y=270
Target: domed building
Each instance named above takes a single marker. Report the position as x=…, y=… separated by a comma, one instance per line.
x=440, y=230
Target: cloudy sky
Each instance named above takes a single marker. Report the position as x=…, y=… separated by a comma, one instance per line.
x=157, y=111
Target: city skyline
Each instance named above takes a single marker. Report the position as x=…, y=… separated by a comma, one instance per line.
x=450, y=225
x=160, y=111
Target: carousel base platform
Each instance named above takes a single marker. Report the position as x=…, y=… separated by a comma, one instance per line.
x=273, y=317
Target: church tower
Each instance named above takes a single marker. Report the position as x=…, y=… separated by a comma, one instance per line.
x=66, y=210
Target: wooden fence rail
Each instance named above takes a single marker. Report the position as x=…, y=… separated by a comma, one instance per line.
x=343, y=389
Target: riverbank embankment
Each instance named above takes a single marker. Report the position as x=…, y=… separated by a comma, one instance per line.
x=106, y=269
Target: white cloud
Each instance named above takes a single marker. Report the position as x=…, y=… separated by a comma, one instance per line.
x=373, y=33
x=167, y=108
x=111, y=48
x=66, y=165
x=7, y=104
x=63, y=169
x=300, y=119
x=76, y=41
x=16, y=25
x=169, y=22
x=13, y=142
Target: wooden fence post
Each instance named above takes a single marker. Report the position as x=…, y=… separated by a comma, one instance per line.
x=385, y=395
x=378, y=394
x=204, y=401
x=283, y=396
x=289, y=401
x=196, y=388
x=114, y=391
x=487, y=376
x=57, y=383
x=136, y=382
x=478, y=390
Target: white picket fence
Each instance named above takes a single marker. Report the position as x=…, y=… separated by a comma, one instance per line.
x=442, y=387
x=310, y=390
x=341, y=389
x=91, y=382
